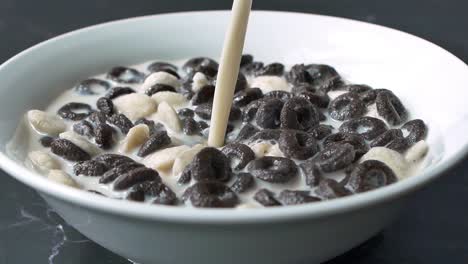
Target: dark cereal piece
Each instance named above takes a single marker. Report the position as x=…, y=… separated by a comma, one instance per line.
x=303, y=88
x=249, y=112
x=282, y=95
x=115, y=92
x=210, y=164
x=298, y=74
x=203, y=125
x=204, y=111
x=92, y=86
x=211, y=194
x=186, y=175
x=159, y=87
x=322, y=116
x=311, y=172
x=244, y=97
x=235, y=114
x=399, y=144
x=370, y=175
x=84, y=128
x=252, y=68
x=156, y=141
x=75, y=111
x=319, y=99
x=273, y=169
x=205, y=65
x=241, y=83
x=347, y=106
x=266, y=134
x=266, y=198
x=163, y=66
x=386, y=137
x=204, y=95
x=268, y=114
x=367, y=127
x=321, y=131
x=89, y=168
x=113, y=160
x=136, y=195
x=335, y=157
x=246, y=59
x=299, y=113
x=288, y=197
x=190, y=126
x=69, y=151
x=98, y=118
x=153, y=127
x=122, y=122
x=273, y=69
x=244, y=181
x=297, y=144
x=324, y=76
x=417, y=130
x=116, y=171
x=186, y=112
x=103, y=135
x=135, y=176
x=46, y=141
x=246, y=132
x=331, y=189
x=125, y=75
x=105, y=105
x=240, y=153
x=160, y=192
x=357, y=88
x=390, y=108
x=358, y=142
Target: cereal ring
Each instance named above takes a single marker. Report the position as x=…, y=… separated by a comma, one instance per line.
x=288, y=197
x=115, y=172
x=210, y=194
x=246, y=59
x=159, y=87
x=367, y=127
x=244, y=97
x=45, y=123
x=92, y=86
x=279, y=94
x=153, y=127
x=210, y=164
x=103, y=135
x=163, y=66
x=331, y=189
x=207, y=66
x=137, y=175
x=346, y=106
x=160, y=77
x=276, y=69
x=84, y=128
x=357, y=88
x=115, y=92
x=298, y=74
x=69, y=151
x=89, y=168
x=74, y=111
x=311, y=172
x=417, y=130
x=399, y=144
x=156, y=141
x=246, y=132
x=297, y=144
x=190, y=126
x=241, y=153
x=390, y=108
x=105, y=105
x=319, y=99
x=98, y=118
x=268, y=113
x=244, y=181
x=125, y=75
x=204, y=111
x=46, y=141
x=370, y=175
x=160, y=192
x=250, y=110
x=358, y=142
x=186, y=112
x=122, y=122
x=266, y=134
x=386, y=137
x=266, y=198
x=335, y=157
x=321, y=131
x=273, y=169
x=113, y=160
x=204, y=95
x=298, y=113
x=252, y=68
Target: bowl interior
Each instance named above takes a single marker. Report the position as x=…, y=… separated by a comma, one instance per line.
x=429, y=80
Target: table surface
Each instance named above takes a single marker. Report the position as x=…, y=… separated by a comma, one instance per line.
x=433, y=228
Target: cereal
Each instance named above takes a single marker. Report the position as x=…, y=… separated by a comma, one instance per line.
x=45, y=123
x=390, y=107
x=168, y=116
x=244, y=97
x=160, y=77
x=416, y=130
x=297, y=144
x=135, y=137
x=268, y=113
x=204, y=65
x=117, y=91
x=69, y=151
x=243, y=182
x=319, y=99
x=171, y=98
x=311, y=171
x=204, y=112
x=163, y=66
x=288, y=197
x=324, y=76
x=273, y=169
x=62, y=177
x=239, y=154
x=163, y=159
x=43, y=161
x=90, y=168
x=84, y=128
x=266, y=198
x=246, y=59
x=246, y=132
x=321, y=131
x=75, y=111
x=273, y=69
x=386, y=137
x=105, y=105
x=46, y=141
x=103, y=135
x=113, y=160
x=299, y=113
x=98, y=118
x=118, y=170
x=122, y=122
x=252, y=67
x=158, y=191
x=249, y=112
x=199, y=80
x=367, y=127
x=80, y=142
x=358, y=142
x=204, y=95
x=92, y=86
x=125, y=75
x=298, y=74
x=155, y=142
x=159, y=87
x=417, y=151
x=267, y=134
x=279, y=94
x=152, y=126
x=335, y=157
x=331, y=189
x=185, y=158
x=346, y=106
x=135, y=105
x=391, y=158
x=210, y=194
x=186, y=112
x=134, y=176
x=369, y=175
x=210, y=164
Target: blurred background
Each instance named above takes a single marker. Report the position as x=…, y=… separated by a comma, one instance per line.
x=433, y=229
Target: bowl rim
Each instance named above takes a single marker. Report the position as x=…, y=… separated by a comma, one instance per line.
x=212, y=215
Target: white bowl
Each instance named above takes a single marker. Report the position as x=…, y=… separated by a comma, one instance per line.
x=430, y=81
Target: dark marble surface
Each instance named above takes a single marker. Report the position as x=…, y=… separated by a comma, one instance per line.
x=433, y=228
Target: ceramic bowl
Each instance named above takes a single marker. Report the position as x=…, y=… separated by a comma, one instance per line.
x=430, y=81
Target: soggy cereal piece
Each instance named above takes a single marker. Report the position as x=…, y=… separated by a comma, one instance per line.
x=46, y=141
x=118, y=170
x=211, y=194
x=272, y=69
x=238, y=154
x=370, y=175
x=335, y=157
x=269, y=83
x=388, y=136
x=417, y=130
x=358, y=142
x=266, y=198
x=92, y=86
x=390, y=107
x=162, y=78
x=204, y=95
x=243, y=182
x=156, y=141
x=113, y=160
x=185, y=158
x=346, y=106
x=89, y=168
x=299, y=113
x=117, y=91
x=273, y=169
x=134, y=176
x=152, y=126
x=311, y=171
x=80, y=141
x=135, y=137
x=172, y=98
x=244, y=97
x=297, y=144
x=84, y=128
x=199, y=80
x=246, y=132
x=135, y=105
x=246, y=59
x=207, y=66
x=190, y=126
x=367, y=127
x=186, y=112
x=321, y=131
x=103, y=135
x=417, y=151
x=331, y=189
x=45, y=123
x=163, y=66
x=43, y=161
x=209, y=164
x=122, y=122
x=391, y=158
x=105, y=105
x=69, y=151
x=159, y=87
x=125, y=75
x=268, y=113
x=97, y=118
x=279, y=94
x=164, y=159
x=158, y=192
x=62, y=177
x=288, y=197
x=168, y=116
x=75, y=111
